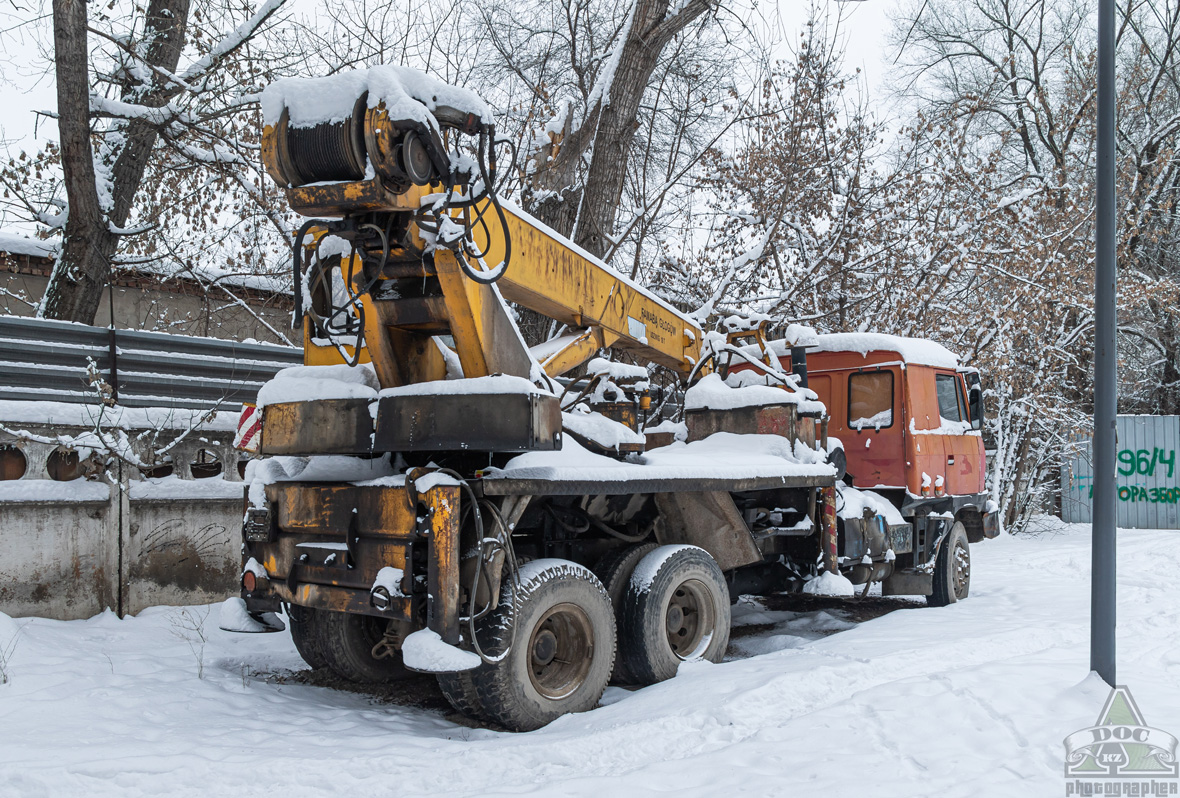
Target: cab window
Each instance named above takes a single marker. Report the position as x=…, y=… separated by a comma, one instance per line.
x=951, y=405
x=870, y=399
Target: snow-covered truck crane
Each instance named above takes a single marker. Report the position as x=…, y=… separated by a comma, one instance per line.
x=432, y=496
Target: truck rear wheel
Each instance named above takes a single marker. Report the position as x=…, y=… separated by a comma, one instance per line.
x=348, y=640
x=562, y=651
x=952, y=569
x=676, y=609
x=614, y=570
x=305, y=635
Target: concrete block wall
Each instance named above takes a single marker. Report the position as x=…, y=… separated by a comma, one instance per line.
x=114, y=539
x=58, y=558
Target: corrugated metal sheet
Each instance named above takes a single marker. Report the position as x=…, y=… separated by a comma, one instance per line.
x=1148, y=475
x=47, y=360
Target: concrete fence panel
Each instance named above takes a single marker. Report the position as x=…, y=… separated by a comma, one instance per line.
x=116, y=537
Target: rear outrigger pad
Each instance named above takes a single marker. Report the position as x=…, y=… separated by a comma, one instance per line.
x=321, y=426
x=234, y=617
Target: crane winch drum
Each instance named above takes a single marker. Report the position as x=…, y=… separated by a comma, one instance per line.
x=402, y=152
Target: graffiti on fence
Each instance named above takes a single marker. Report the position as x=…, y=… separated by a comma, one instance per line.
x=1147, y=479
x=1140, y=462
x=1145, y=462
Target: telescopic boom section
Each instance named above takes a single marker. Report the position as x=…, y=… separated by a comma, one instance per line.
x=421, y=246
x=553, y=276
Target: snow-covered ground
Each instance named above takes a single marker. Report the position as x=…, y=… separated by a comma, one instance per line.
x=970, y=700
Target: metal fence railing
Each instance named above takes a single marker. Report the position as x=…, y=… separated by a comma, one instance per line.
x=47, y=361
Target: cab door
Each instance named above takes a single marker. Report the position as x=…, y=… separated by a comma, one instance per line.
x=873, y=431
x=962, y=446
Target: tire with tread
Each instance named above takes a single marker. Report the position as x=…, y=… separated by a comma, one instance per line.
x=680, y=611
x=306, y=635
x=562, y=651
x=347, y=640
x=952, y=569
x=460, y=692
x=614, y=571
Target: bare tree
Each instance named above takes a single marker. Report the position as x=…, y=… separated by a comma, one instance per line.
x=1019, y=76
x=582, y=69
x=137, y=130
x=1006, y=91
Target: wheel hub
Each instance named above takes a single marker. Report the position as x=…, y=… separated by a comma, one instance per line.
x=690, y=619
x=561, y=649
x=544, y=647
x=962, y=566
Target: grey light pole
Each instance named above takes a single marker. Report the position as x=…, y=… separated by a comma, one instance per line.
x=1102, y=581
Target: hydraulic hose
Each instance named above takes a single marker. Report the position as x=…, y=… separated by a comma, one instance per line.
x=510, y=557
x=296, y=271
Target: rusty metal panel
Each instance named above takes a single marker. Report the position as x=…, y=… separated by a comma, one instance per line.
x=508, y=486
x=1147, y=475
x=330, y=509
x=442, y=579
x=313, y=571
x=324, y=426
x=337, y=199
x=782, y=420
x=708, y=519
x=331, y=541
x=512, y=422
x=339, y=599
x=805, y=430
x=304, y=558
x=907, y=584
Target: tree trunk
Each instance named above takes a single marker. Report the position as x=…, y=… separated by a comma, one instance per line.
x=166, y=22
x=83, y=264
x=651, y=29
x=90, y=237
x=587, y=214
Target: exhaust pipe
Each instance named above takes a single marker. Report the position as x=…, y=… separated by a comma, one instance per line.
x=799, y=363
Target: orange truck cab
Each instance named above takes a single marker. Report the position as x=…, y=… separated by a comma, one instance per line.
x=909, y=418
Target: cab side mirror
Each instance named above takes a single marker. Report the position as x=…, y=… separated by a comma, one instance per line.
x=975, y=406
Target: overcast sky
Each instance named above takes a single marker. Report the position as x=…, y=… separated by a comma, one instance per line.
x=864, y=25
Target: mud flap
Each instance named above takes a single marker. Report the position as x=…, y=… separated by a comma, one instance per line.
x=907, y=584
x=991, y=525
x=710, y=520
